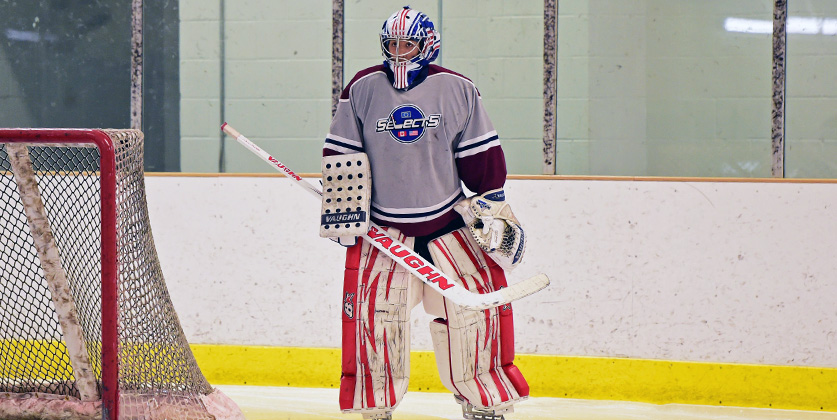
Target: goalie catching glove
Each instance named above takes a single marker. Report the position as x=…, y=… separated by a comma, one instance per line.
x=494, y=227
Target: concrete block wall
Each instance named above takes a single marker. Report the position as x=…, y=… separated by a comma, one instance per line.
x=275, y=82
x=499, y=45
x=200, y=85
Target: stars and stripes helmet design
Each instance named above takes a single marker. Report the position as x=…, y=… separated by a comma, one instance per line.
x=409, y=42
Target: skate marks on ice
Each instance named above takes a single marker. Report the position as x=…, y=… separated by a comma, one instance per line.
x=274, y=403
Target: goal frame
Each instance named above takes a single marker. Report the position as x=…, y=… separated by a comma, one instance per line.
x=109, y=267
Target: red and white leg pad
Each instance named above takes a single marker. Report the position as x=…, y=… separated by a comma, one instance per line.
x=378, y=295
x=474, y=349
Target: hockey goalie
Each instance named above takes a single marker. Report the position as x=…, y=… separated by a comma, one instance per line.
x=405, y=137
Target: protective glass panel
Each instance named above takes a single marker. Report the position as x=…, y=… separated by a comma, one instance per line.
x=663, y=88
x=68, y=64
x=811, y=97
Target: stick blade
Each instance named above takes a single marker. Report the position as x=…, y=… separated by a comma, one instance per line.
x=526, y=287
x=521, y=289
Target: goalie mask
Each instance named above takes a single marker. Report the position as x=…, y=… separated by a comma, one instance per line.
x=409, y=43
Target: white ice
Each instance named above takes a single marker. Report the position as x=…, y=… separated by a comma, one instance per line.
x=271, y=403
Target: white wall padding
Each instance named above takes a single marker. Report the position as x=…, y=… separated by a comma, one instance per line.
x=740, y=272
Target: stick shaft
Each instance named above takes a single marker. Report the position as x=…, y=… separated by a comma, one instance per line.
x=279, y=166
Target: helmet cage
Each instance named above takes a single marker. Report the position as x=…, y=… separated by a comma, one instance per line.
x=400, y=50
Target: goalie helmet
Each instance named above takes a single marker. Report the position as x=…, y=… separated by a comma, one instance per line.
x=409, y=42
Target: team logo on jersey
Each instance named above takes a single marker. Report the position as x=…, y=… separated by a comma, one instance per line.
x=407, y=123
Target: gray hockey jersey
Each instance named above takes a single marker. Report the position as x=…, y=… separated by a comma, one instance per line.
x=422, y=144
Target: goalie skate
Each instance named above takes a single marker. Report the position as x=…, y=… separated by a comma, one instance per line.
x=380, y=415
x=470, y=412
x=347, y=191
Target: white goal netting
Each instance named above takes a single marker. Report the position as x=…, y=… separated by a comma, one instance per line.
x=53, y=259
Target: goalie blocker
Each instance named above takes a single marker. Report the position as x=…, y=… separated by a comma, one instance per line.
x=347, y=190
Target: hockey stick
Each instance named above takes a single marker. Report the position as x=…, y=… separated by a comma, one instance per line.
x=405, y=256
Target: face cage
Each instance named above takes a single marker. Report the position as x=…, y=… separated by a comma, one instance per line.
x=398, y=58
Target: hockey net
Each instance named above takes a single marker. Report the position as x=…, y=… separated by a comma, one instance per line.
x=87, y=327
